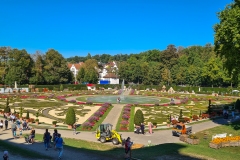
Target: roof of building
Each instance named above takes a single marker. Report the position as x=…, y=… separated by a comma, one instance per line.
x=77, y=65
x=111, y=75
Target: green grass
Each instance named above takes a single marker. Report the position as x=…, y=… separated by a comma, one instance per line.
x=170, y=150
x=10, y=147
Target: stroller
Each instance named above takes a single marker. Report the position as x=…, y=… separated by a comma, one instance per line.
x=137, y=130
x=28, y=139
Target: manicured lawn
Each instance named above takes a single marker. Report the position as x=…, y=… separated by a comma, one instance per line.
x=20, y=151
x=179, y=150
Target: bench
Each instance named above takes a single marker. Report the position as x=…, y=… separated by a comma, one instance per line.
x=219, y=136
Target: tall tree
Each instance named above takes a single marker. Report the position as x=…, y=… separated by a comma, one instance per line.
x=227, y=36
x=56, y=70
x=19, y=67
x=38, y=69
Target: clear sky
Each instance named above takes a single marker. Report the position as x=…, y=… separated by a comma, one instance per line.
x=78, y=27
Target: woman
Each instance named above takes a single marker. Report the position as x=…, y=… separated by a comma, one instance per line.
x=128, y=145
x=46, y=139
x=150, y=127
x=32, y=135
x=59, y=145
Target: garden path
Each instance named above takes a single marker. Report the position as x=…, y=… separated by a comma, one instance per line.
x=114, y=114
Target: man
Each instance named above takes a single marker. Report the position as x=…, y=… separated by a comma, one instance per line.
x=74, y=128
x=14, y=129
x=6, y=124
x=142, y=128
x=59, y=145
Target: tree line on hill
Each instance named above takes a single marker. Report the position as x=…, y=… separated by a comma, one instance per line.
x=195, y=66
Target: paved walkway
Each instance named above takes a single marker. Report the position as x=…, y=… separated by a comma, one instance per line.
x=158, y=137
x=114, y=114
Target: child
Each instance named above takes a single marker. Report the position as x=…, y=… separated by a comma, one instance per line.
x=5, y=155
x=20, y=132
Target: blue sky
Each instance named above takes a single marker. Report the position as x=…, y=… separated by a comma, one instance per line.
x=78, y=27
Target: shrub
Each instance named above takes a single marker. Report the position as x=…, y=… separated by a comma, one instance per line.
x=54, y=122
x=70, y=116
x=7, y=109
x=237, y=104
x=61, y=87
x=138, y=117
x=181, y=119
x=27, y=115
x=195, y=117
x=37, y=120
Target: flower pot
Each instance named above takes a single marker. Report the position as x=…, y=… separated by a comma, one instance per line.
x=168, y=125
x=192, y=141
x=200, y=118
x=69, y=126
x=36, y=122
x=54, y=125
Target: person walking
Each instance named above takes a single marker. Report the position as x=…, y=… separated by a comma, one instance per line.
x=150, y=127
x=59, y=145
x=6, y=124
x=128, y=145
x=14, y=129
x=74, y=128
x=46, y=139
x=55, y=135
x=32, y=135
x=5, y=155
x=142, y=128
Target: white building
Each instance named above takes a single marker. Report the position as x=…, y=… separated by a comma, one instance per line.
x=74, y=68
x=108, y=75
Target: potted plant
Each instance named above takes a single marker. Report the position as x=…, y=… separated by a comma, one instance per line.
x=192, y=139
x=54, y=123
x=154, y=124
x=37, y=121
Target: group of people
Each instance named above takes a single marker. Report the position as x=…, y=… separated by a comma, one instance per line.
x=56, y=139
x=141, y=128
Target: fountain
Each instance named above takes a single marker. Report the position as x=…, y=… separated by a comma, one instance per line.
x=124, y=98
x=122, y=93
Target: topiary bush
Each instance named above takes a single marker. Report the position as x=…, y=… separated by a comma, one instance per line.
x=71, y=116
x=138, y=117
x=181, y=119
x=61, y=87
x=27, y=116
x=7, y=109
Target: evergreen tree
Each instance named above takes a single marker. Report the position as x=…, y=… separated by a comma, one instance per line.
x=181, y=119
x=71, y=116
x=7, y=109
x=138, y=117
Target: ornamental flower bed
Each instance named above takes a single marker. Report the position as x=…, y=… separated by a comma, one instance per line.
x=217, y=143
x=125, y=118
x=88, y=125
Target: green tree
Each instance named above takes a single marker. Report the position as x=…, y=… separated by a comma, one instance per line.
x=56, y=70
x=70, y=116
x=38, y=69
x=27, y=115
x=138, y=117
x=181, y=119
x=7, y=109
x=61, y=87
x=227, y=36
x=81, y=74
x=19, y=67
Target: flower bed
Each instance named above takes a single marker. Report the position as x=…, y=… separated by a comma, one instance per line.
x=225, y=142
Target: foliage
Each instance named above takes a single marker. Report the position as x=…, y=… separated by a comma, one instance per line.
x=7, y=109
x=227, y=37
x=138, y=117
x=237, y=104
x=27, y=115
x=200, y=113
x=181, y=119
x=61, y=87
x=70, y=116
x=54, y=122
